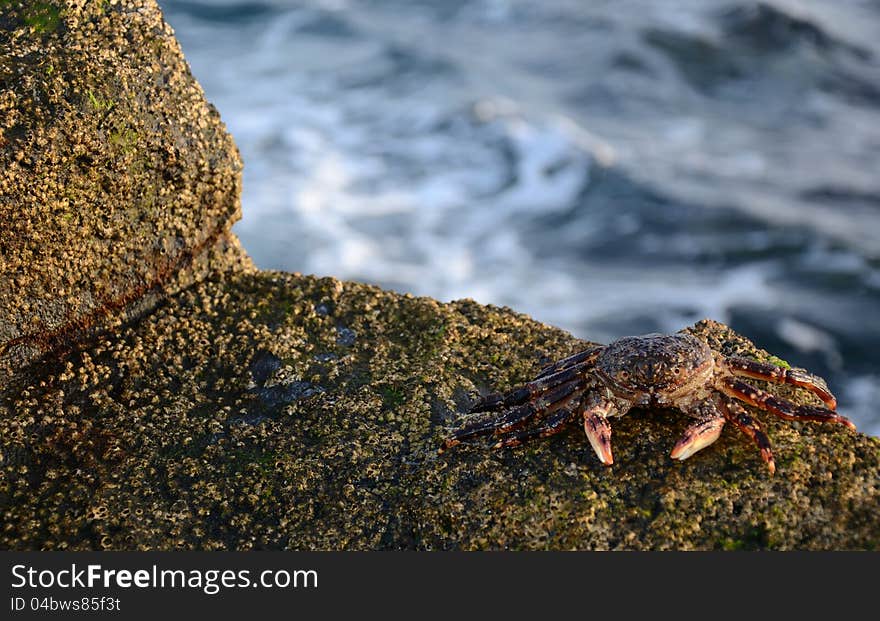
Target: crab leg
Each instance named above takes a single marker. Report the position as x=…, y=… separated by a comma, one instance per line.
x=737, y=415
x=597, y=428
x=516, y=417
x=783, y=408
x=554, y=425
x=527, y=392
x=779, y=375
x=702, y=433
x=588, y=356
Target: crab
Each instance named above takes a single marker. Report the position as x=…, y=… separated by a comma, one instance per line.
x=654, y=370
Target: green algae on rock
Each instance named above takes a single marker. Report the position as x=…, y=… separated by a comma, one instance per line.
x=118, y=181
x=269, y=410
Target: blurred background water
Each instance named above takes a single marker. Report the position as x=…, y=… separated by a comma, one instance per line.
x=610, y=167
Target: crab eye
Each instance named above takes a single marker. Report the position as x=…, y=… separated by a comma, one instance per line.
x=624, y=374
x=677, y=370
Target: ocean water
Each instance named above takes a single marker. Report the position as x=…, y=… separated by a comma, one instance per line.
x=609, y=167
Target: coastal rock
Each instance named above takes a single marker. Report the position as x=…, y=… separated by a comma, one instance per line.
x=276, y=411
x=264, y=410
x=118, y=181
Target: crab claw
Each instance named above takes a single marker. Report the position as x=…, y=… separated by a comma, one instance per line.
x=599, y=434
x=696, y=437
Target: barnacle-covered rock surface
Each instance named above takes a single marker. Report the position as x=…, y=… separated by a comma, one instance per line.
x=273, y=410
x=268, y=410
x=118, y=181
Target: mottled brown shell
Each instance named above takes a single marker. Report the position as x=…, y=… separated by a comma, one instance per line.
x=652, y=362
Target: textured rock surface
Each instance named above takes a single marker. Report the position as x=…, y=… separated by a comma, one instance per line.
x=266, y=410
x=118, y=182
x=277, y=411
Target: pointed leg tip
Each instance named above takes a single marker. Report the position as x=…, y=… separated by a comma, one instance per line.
x=447, y=444
x=767, y=456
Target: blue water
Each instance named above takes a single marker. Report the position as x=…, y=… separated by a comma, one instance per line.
x=609, y=167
